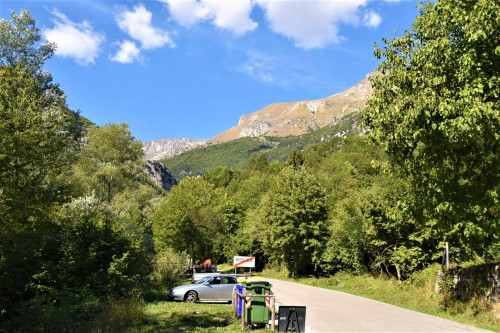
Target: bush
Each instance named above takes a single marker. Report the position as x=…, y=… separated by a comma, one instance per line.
x=426, y=277
x=167, y=269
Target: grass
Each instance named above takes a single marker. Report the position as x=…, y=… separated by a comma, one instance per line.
x=172, y=317
x=415, y=294
x=187, y=317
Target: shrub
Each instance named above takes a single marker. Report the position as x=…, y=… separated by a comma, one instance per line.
x=426, y=277
x=167, y=269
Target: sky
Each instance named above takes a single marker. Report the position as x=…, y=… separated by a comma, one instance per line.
x=191, y=68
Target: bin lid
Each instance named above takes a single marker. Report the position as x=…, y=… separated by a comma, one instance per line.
x=247, y=279
x=258, y=284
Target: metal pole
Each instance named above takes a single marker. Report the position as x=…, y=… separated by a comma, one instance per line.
x=447, y=256
x=273, y=313
x=243, y=306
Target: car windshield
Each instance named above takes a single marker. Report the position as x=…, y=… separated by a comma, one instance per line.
x=203, y=280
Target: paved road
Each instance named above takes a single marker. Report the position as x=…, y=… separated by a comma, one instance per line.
x=334, y=311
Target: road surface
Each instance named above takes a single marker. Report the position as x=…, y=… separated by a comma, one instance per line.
x=334, y=311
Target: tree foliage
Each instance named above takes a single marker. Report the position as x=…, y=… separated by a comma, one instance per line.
x=109, y=162
x=189, y=220
x=18, y=39
x=293, y=215
x=61, y=258
x=435, y=108
x=38, y=139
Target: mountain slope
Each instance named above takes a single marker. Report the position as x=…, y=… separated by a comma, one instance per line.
x=283, y=119
x=236, y=153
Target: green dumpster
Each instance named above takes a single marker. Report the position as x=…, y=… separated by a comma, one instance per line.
x=257, y=309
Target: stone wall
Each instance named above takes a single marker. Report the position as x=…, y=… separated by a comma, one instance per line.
x=483, y=280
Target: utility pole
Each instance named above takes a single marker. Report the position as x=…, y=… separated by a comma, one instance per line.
x=447, y=256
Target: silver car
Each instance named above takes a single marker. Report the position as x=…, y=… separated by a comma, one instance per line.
x=210, y=288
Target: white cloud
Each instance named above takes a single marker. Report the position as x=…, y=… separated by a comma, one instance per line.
x=311, y=24
x=372, y=19
x=128, y=53
x=259, y=66
x=74, y=40
x=188, y=12
x=137, y=24
x=233, y=15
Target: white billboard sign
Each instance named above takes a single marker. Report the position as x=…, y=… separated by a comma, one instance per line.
x=244, y=262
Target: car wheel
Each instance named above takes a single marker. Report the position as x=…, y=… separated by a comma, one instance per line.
x=191, y=297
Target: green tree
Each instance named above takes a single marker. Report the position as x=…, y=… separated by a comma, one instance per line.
x=109, y=162
x=220, y=176
x=20, y=47
x=436, y=109
x=296, y=158
x=294, y=215
x=36, y=146
x=190, y=220
x=257, y=162
x=39, y=136
x=18, y=39
x=90, y=258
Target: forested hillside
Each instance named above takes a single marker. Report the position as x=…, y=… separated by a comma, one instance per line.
x=236, y=153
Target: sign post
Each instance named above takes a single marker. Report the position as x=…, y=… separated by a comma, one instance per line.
x=244, y=262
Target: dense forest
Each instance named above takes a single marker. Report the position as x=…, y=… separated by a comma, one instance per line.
x=83, y=233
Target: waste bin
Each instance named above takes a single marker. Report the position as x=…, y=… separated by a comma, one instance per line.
x=257, y=308
x=239, y=288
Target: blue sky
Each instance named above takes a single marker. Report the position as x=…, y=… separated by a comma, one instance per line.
x=191, y=68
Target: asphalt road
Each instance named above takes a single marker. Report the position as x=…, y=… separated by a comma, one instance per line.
x=334, y=311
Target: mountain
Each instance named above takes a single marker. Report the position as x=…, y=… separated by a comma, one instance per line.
x=235, y=153
x=160, y=175
x=277, y=120
x=284, y=119
x=163, y=148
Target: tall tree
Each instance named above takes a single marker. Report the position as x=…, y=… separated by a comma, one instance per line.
x=257, y=162
x=109, y=162
x=294, y=215
x=436, y=109
x=18, y=42
x=296, y=158
x=20, y=46
x=38, y=138
x=190, y=220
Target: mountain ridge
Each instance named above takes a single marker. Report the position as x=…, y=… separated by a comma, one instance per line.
x=296, y=118
x=277, y=119
x=163, y=148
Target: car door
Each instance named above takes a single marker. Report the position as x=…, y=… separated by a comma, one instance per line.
x=211, y=289
x=227, y=286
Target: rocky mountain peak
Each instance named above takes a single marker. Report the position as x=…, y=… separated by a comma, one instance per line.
x=163, y=148
x=296, y=118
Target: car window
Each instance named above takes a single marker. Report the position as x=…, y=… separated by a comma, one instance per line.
x=229, y=280
x=202, y=280
x=215, y=280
